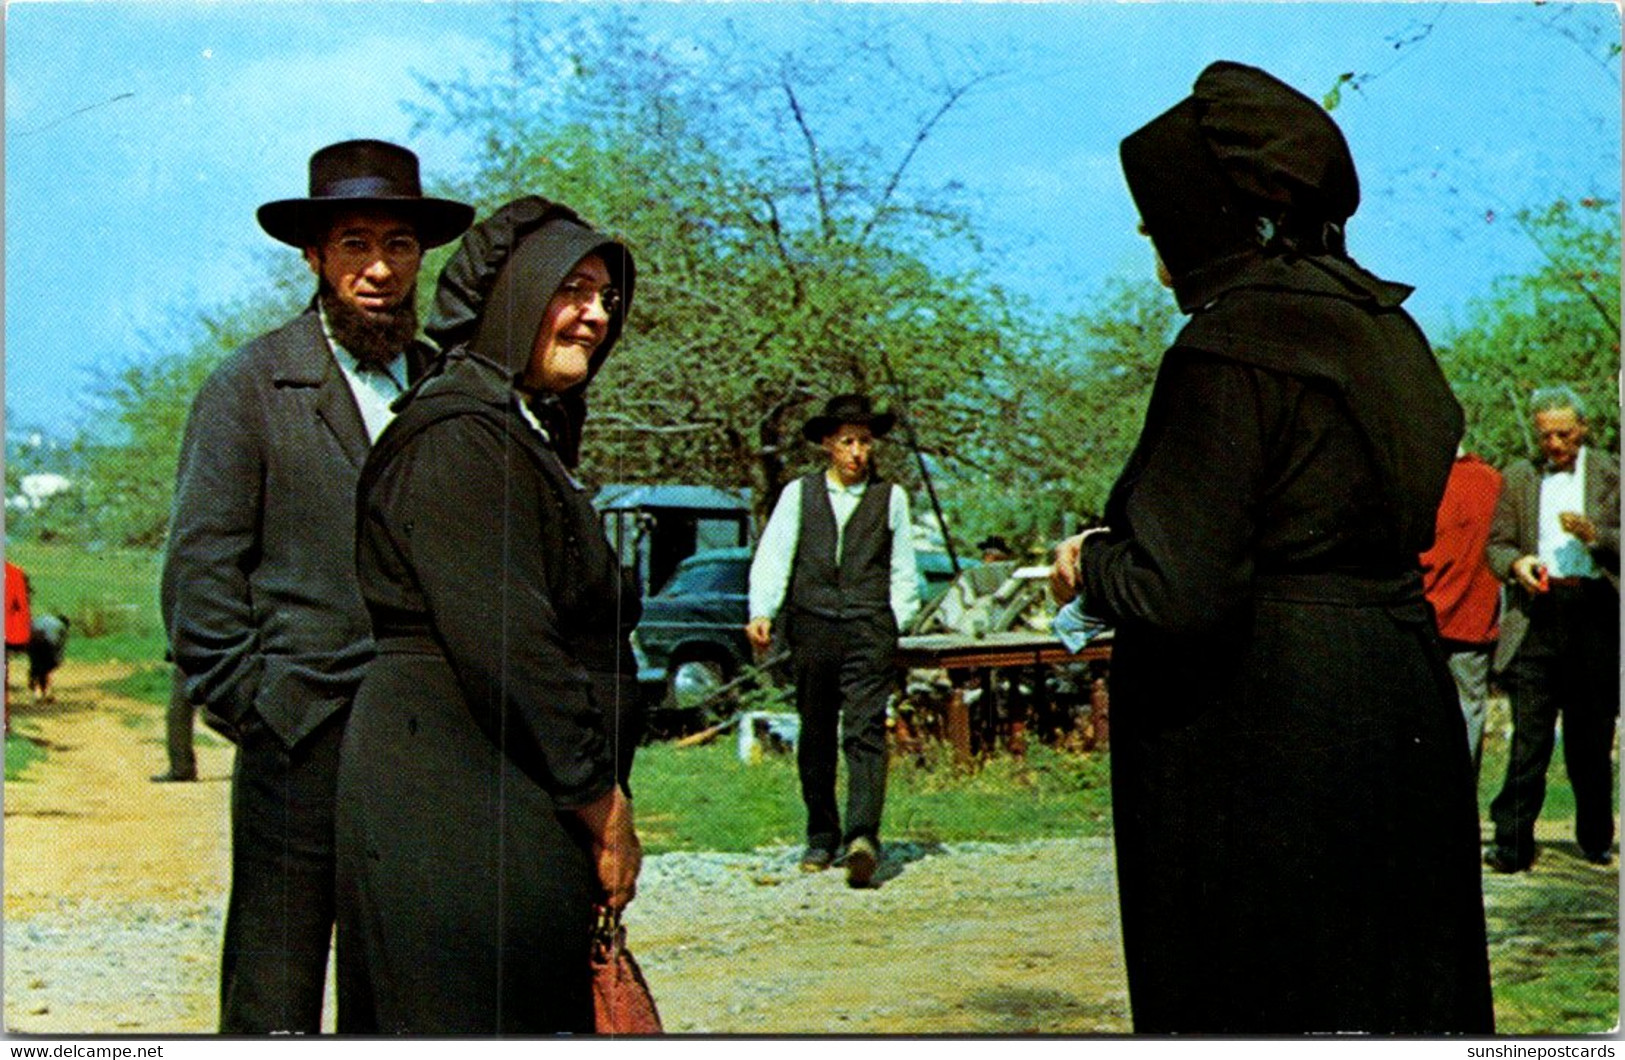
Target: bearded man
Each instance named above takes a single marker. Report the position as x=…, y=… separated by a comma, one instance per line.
x=259, y=592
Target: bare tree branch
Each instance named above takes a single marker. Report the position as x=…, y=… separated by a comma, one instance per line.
x=775, y=226
x=623, y=422
x=923, y=133
x=827, y=221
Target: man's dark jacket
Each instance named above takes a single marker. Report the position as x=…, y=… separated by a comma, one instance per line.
x=259, y=588
x=1516, y=532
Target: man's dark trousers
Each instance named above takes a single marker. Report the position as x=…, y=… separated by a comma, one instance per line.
x=178, y=726
x=282, y=881
x=1568, y=663
x=844, y=678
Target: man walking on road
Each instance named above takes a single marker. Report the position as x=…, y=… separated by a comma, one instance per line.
x=259, y=590
x=837, y=556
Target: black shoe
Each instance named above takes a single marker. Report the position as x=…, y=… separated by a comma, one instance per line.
x=1500, y=859
x=173, y=778
x=861, y=859
x=817, y=859
x=1598, y=857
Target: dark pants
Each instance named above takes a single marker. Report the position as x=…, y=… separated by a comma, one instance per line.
x=1568, y=665
x=279, y=925
x=844, y=677
x=178, y=729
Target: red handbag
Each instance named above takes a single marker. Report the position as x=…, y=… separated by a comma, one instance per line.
x=621, y=1001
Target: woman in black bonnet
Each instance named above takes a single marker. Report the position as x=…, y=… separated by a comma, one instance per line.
x=483, y=808
x=1295, y=818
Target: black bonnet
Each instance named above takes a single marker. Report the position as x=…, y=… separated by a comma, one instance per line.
x=494, y=290
x=1243, y=163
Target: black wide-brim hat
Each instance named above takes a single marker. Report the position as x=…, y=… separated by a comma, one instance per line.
x=364, y=174
x=847, y=408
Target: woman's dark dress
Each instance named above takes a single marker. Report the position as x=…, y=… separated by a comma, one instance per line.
x=1296, y=827
x=501, y=621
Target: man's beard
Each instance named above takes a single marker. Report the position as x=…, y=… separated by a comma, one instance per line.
x=372, y=338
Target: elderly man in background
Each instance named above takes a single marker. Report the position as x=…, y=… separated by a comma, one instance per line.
x=259, y=590
x=1555, y=541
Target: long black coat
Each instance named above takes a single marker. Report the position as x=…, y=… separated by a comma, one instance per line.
x=502, y=624
x=1296, y=827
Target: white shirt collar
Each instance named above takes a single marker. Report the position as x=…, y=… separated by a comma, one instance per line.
x=394, y=371
x=835, y=485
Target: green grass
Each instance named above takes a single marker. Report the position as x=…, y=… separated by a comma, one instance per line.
x=149, y=684
x=110, y=597
x=1553, y=933
x=21, y=753
x=704, y=798
x=1554, y=947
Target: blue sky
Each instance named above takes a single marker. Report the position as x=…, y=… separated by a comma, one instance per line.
x=141, y=136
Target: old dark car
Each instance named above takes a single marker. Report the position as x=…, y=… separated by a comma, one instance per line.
x=691, y=640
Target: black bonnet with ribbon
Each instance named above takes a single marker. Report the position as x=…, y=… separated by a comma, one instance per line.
x=1245, y=168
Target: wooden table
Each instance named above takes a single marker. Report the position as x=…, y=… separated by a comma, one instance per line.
x=960, y=654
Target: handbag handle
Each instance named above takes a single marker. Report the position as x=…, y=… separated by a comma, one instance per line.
x=607, y=933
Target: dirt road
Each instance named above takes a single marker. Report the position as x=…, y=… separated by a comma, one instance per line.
x=114, y=893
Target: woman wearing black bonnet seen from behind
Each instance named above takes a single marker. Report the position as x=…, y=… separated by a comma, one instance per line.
x=482, y=806
x=1295, y=815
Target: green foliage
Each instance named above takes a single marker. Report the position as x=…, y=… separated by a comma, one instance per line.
x=773, y=269
x=123, y=464
x=130, y=470
x=1558, y=324
x=1061, y=425
x=785, y=253
x=761, y=694
x=32, y=452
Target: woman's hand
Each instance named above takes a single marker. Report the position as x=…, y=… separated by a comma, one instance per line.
x=1065, y=575
x=617, y=854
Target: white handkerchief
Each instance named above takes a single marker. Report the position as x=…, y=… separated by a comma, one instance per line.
x=1074, y=628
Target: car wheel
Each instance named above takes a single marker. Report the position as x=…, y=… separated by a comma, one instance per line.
x=694, y=681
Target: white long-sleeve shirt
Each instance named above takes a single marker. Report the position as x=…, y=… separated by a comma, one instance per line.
x=776, y=551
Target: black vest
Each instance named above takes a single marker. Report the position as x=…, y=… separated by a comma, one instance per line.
x=861, y=583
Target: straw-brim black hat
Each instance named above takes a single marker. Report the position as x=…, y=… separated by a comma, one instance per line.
x=847, y=408
x=364, y=174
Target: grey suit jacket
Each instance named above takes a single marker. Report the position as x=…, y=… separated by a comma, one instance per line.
x=1515, y=532
x=259, y=590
